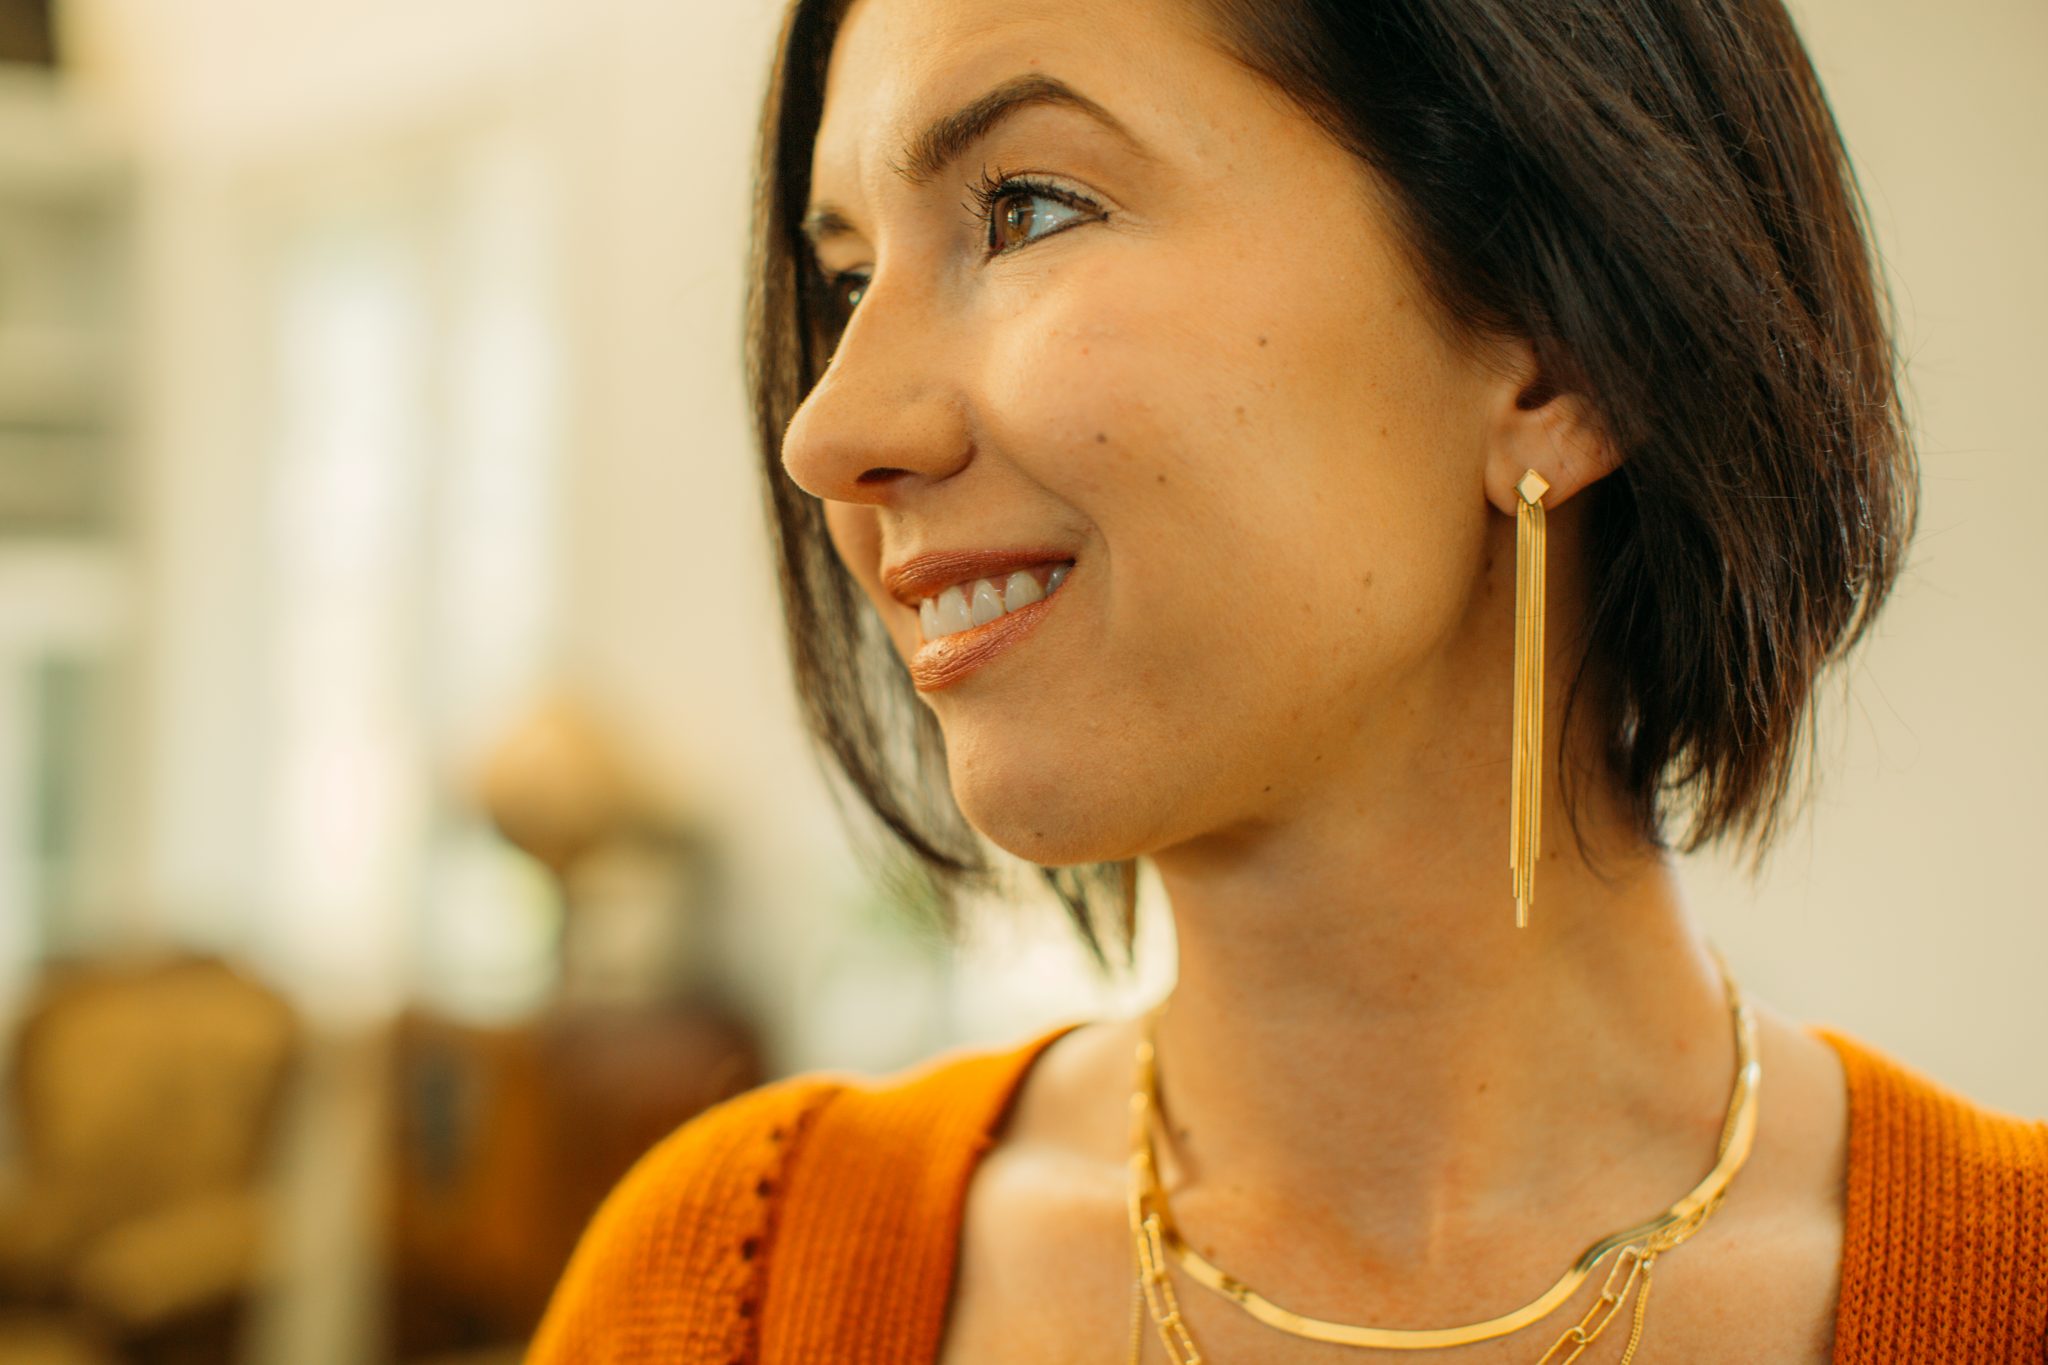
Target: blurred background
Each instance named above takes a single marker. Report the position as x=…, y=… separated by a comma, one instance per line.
x=404, y=819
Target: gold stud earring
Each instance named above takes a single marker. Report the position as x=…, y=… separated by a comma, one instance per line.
x=1525, y=796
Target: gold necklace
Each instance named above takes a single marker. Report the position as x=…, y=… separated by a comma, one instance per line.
x=1156, y=1238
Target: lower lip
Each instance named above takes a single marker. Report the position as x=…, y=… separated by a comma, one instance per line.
x=947, y=660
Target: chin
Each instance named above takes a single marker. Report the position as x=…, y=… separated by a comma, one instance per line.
x=1041, y=813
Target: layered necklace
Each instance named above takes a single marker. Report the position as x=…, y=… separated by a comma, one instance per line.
x=1157, y=1240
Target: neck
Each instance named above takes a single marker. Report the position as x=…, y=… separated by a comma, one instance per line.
x=1359, y=1029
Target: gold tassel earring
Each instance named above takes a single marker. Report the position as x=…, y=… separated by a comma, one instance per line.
x=1525, y=798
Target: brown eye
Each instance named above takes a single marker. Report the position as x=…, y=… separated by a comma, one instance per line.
x=1013, y=208
x=1015, y=214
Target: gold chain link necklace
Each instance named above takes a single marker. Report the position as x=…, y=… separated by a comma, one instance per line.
x=1156, y=1238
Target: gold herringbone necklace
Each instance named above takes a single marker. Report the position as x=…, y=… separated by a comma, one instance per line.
x=1156, y=1239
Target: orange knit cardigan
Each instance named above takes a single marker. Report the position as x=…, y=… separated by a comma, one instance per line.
x=814, y=1221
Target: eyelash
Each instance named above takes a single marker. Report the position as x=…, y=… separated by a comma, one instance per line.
x=995, y=186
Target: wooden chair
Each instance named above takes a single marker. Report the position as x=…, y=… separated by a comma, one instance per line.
x=145, y=1098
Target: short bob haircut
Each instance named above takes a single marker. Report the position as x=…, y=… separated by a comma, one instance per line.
x=1655, y=194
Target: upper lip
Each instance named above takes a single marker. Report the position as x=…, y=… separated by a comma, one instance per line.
x=927, y=575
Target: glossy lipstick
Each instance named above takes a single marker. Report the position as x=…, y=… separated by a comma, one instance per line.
x=941, y=662
x=946, y=660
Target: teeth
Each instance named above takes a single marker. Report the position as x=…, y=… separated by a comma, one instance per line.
x=988, y=603
x=967, y=605
x=951, y=612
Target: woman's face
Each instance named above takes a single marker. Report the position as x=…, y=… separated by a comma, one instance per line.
x=1196, y=367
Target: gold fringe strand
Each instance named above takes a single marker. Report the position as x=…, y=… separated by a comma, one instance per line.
x=1525, y=818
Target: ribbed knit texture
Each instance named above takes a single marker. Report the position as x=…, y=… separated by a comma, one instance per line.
x=674, y=1266
x=1945, y=1253
x=815, y=1221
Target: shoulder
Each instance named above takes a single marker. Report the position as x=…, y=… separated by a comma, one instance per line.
x=676, y=1264
x=1899, y=1112
x=877, y=1198
x=681, y=1236
x=1946, y=1225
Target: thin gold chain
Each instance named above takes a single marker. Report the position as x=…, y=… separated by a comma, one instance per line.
x=1155, y=1239
x=1138, y=1309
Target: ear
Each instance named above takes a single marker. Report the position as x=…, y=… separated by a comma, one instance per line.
x=1537, y=426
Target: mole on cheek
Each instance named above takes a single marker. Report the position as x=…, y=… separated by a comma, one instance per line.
x=1101, y=436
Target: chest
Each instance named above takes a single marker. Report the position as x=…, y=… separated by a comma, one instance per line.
x=1049, y=1278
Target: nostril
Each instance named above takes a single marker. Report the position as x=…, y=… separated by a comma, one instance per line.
x=880, y=475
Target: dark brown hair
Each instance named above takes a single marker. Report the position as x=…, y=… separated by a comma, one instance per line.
x=1655, y=193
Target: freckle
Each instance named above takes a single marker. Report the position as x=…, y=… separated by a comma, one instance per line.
x=1101, y=437
x=1268, y=787
x=1240, y=414
x=1262, y=341
x=1162, y=478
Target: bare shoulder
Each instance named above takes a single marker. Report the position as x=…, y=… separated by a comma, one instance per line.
x=1043, y=1221
x=1761, y=1280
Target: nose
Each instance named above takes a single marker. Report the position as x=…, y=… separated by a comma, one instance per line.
x=888, y=410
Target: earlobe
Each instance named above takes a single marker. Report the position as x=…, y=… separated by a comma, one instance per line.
x=1559, y=434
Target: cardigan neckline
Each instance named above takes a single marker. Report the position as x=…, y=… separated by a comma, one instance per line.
x=1855, y=1058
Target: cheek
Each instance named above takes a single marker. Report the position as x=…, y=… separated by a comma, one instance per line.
x=1158, y=424
x=1185, y=418
x=1279, y=455
x=1104, y=393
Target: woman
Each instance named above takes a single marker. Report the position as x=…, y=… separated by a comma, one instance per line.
x=1294, y=389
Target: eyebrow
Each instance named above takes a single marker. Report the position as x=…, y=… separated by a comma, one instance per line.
x=946, y=137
